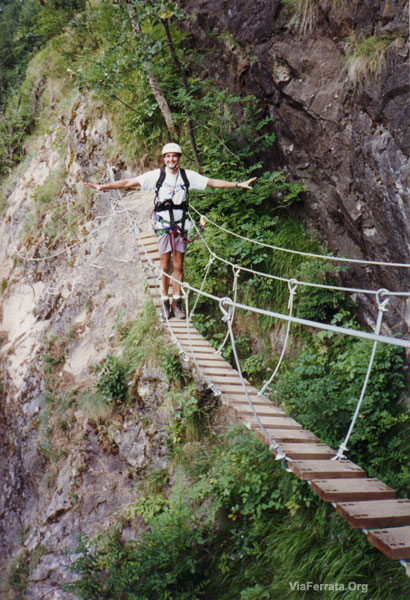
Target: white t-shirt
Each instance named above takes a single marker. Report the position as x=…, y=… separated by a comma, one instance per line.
x=172, y=188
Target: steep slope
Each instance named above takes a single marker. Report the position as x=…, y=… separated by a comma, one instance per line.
x=67, y=466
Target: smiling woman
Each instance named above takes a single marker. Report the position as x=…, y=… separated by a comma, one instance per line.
x=171, y=224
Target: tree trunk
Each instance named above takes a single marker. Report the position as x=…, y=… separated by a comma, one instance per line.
x=163, y=105
x=152, y=80
x=185, y=84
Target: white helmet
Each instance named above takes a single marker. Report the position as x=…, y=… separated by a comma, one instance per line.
x=171, y=148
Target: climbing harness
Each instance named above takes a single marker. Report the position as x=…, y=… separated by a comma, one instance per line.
x=171, y=226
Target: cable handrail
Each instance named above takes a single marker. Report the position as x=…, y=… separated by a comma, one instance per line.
x=292, y=279
x=300, y=252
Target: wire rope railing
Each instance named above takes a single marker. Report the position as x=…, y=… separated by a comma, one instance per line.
x=300, y=252
x=311, y=284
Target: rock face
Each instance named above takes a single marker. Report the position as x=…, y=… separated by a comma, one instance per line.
x=349, y=141
x=64, y=469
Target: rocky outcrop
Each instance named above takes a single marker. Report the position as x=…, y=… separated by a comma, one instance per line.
x=64, y=468
x=348, y=141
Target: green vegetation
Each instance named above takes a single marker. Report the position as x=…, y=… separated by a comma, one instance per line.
x=17, y=577
x=366, y=56
x=58, y=219
x=321, y=388
x=224, y=521
x=111, y=382
x=234, y=525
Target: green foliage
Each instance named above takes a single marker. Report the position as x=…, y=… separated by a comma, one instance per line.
x=166, y=561
x=147, y=506
x=112, y=382
x=234, y=526
x=52, y=218
x=3, y=286
x=142, y=340
x=18, y=575
x=16, y=121
x=26, y=27
x=187, y=417
x=321, y=390
x=171, y=365
x=319, y=304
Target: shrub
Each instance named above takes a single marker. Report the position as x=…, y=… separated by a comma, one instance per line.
x=321, y=390
x=112, y=382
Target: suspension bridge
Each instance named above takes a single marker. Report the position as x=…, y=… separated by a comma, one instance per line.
x=365, y=503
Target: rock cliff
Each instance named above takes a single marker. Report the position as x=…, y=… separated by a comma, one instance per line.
x=347, y=137
x=67, y=467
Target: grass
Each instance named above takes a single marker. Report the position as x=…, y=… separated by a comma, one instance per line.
x=231, y=524
x=304, y=14
x=366, y=56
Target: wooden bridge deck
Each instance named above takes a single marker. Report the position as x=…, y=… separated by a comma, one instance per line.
x=363, y=502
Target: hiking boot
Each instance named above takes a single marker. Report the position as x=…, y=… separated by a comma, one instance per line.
x=167, y=310
x=179, y=312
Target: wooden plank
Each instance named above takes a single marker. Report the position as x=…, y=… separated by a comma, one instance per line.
x=308, y=451
x=216, y=370
x=198, y=339
x=261, y=411
x=375, y=514
x=227, y=378
x=195, y=343
x=269, y=408
x=393, y=542
x=150, y=248
x=189, y=325
x=183, y=335
x=292, y=436
x=325, y=469
x=213, y=362
x=241, y=400
x=184, y=328
x=344, y=490
x=282, y=422
x=235, y=388
x=145, y=259
x=195, y=337
x=205, y=354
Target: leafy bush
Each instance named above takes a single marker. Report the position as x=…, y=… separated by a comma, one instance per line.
x=321, y=390
x=171, y=365
x=112, y=382
x=234, y=526
x=187, y=417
